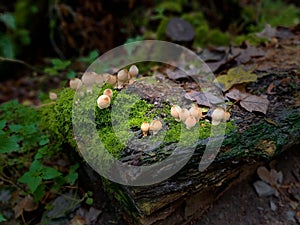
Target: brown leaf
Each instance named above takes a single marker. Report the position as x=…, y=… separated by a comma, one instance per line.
x=249, y=102
x=26, y=204
x=271, y=177
x=203, y=98
x=270, y=88
x=176, y=74
x=264, y=175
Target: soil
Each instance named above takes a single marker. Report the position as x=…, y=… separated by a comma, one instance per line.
x=242, y=206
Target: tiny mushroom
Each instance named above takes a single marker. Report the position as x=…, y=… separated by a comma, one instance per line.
x=75, y=83
x=184, y=114
x=88, y=79
x=155, y=126
x=227, y=116
x=122, y=77
x=111, y=79
x=52, y=96
x=145, y=128
x=190, y=122
x=103, y=101
x=108, y=92
x=196, y=112
x=133, y=71
x=175, y=110
x=218, y=116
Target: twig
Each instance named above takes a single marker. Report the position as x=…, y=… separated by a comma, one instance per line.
x=21, y=62
x=42, y=105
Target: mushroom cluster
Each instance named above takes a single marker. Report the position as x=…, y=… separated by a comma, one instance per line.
x=89, y=79
x=188, y=116
x=104, y=100
x=155, y=126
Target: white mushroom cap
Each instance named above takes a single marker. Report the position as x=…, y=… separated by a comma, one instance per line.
x=133, y=71
x=175, y=110
x=75, y=83
x=184, y=114
x=103, y=101
x=145, y=127
x=190, y=122
x=155, y=126
x=108, y=92
x=122, y=75
x=218, y=116
x=52, y=96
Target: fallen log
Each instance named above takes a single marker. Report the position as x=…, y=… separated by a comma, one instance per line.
x=250, y=139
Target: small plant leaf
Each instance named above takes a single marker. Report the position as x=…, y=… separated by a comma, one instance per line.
x=8, y=19
x=8, y=144
x=50, y=173
x=234, y=76
x=31, y=180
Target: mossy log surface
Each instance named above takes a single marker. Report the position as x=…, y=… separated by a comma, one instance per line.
x=256, y=139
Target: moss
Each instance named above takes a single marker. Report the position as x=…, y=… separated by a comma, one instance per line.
x=57, y=119
x=117, y=124
x=161, y=29
x=251, y=38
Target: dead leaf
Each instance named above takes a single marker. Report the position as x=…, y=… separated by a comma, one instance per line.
x=245, y=55
x=176, y=74
x=236, y=75
x=270, y=88
x=26, y=204
x=249, y=102
x=203, y=98
x=272, y=177
x=265, y=175
x=88, y=216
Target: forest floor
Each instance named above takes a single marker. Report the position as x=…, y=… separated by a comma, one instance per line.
x=240, y=205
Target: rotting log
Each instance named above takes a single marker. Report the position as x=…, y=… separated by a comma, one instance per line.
x=257, y=138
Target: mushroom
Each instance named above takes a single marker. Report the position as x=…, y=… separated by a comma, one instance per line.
x=52, y=96
x=196, y=112
x=218, y=116
x=190, y=122
x=155, y=126
x=145, y=128
x=103, y=101
x=88, y=79
x=108, y=92
x=133, y=71
x=175, y=110
x=227, y=116
x=75, y=84
x=184, y=114
x=111, y=79
x=122, y=77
